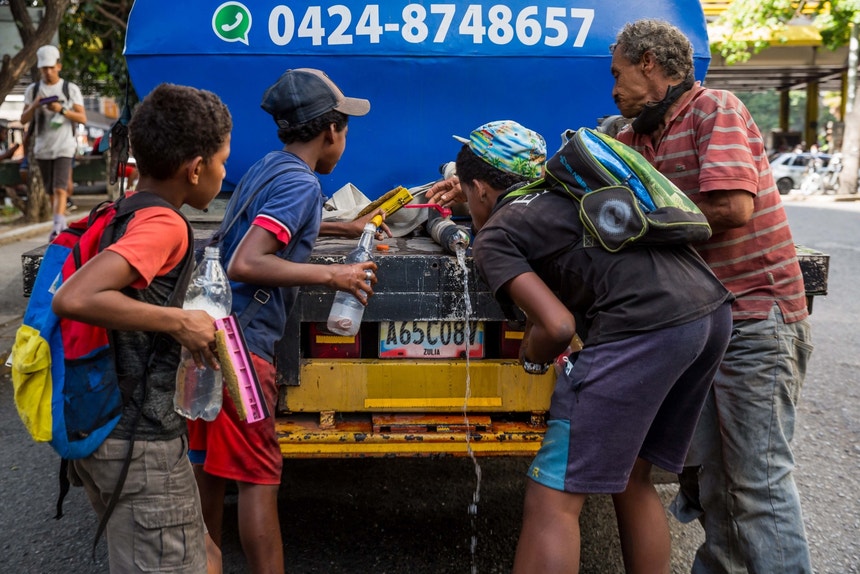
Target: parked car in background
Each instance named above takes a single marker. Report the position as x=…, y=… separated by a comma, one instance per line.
x=789, y=168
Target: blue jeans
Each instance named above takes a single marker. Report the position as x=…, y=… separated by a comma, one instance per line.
x=747, y=500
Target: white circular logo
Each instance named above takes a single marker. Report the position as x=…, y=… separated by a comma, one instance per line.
x=614, y=215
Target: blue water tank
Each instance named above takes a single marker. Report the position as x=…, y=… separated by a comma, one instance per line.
x=430, y=70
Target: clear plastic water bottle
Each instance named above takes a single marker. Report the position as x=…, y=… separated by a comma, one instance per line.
x=347, y=311
x=199, y=391
x=57, y=120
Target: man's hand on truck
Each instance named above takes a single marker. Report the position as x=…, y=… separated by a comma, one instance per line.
x=446, y=192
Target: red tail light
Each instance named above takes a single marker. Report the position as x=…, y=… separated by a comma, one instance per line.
x=325, y=345
x=509, y=346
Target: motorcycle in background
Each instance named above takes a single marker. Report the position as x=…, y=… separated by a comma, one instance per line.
x=818, y=181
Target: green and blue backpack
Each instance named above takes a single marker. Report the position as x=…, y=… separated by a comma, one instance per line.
x=622, y=199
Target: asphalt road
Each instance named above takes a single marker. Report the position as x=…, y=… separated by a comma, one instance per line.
x=410, y=515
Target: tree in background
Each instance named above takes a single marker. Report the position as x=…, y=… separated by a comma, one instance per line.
x=33, y=35
x=764, y=108
x=838, y=21
x=13, y=67
x=92, y=36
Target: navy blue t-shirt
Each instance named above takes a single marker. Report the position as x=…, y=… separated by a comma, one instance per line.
x=291, y=205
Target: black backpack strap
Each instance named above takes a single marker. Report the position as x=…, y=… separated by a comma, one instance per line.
x=35, y=89
x=126, y=463
x=234, y=198
x=36, y=123
x=260, y=298
x=64, y=487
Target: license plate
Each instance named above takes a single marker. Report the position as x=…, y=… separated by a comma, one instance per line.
x=430, y=339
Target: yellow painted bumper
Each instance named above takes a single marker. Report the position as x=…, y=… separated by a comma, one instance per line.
x=369, y=385
x=367, y=407
x=361, y=435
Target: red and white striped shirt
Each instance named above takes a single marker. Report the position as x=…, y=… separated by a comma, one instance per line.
x=711, y=143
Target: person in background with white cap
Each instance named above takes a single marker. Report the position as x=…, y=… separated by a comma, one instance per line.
x=267, y=252
x=655, y=322
x=55, y=108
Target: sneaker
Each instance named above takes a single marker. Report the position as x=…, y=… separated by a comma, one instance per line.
x=70, y=206
x=52, y=236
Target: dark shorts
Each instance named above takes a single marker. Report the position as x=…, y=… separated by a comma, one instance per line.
x=638, y=397
x=56, y=173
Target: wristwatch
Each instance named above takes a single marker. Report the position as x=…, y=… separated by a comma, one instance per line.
x=535, y=368
x=62, y=111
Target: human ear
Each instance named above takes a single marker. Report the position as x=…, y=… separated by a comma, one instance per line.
x=193, y=170
x=482, y=190
x=330, y=133
x=648, y=62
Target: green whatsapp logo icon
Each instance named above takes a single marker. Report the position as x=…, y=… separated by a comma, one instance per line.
x=232, y=22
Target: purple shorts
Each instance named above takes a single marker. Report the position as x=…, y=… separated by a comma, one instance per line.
x=638, y=397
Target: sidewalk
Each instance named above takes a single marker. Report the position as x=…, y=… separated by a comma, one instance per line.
x=84, y=204
x=796, y=196
x=26, y=232
x=15, y=241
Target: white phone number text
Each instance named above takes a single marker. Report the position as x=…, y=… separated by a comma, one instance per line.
x=498, y=24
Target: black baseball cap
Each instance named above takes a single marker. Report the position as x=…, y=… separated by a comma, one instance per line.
x=303, y=94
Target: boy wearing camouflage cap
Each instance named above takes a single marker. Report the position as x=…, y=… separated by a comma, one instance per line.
x=655, y=323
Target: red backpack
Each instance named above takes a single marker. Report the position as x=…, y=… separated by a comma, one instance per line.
x=63, y=371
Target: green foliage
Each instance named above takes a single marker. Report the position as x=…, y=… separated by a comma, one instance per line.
x=764, y=108
x=92, y=35
x=8, y=212
x=766, y=18
x=750, y=20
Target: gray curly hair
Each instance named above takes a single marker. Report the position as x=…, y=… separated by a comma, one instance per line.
x=671, y=48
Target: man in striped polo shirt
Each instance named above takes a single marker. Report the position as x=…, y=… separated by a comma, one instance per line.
x=739, y=481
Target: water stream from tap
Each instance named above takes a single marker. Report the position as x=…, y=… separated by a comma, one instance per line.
x=476, y=496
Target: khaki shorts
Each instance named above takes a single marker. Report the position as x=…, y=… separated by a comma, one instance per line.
x=157, y=525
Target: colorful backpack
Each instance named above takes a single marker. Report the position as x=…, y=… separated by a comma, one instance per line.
x=63, y=371
x=622, y=199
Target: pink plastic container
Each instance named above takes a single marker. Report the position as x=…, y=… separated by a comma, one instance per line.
x=248, y=391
